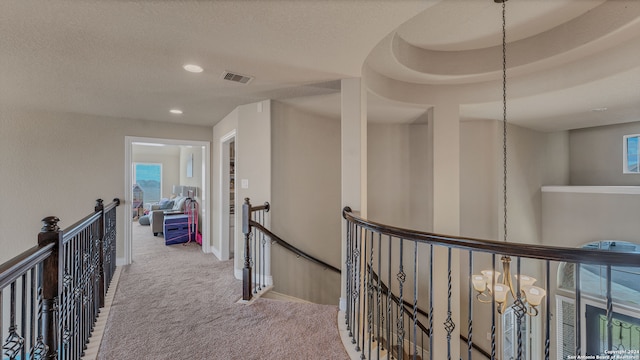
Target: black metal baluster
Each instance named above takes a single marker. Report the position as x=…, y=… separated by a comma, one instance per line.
x=14, y=343
x=260, y=255
x=70, y=303
x=470, y=307
x=87, y=295
x=358, y=279
x=354, y=284
x=519, y=309
x=347, y=315
x=431, y=302
x=449, y=324
x=415, y=300
x=493, y=308
x=547, y=335
x=370, y=307
x=578, y=311
x=85, y=272
x=23, y=310
x=389, y=308
x=80, y=300
x=76, y=296
x=379, y=299
x=365, y=298
x=39, y=349
x=66, y=303
x=98, y=289
x=609, y=311
x=264, y=254
x=254, y=259
x=1, y=323
x=33, y=316
x=401, y=276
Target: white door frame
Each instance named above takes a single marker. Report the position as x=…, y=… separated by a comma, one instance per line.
x=224, y=193
x=205, y=207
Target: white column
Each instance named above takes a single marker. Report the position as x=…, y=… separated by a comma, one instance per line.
x=353, y=159
x=446, y=220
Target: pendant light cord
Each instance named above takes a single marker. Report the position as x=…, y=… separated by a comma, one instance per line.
x=504, y=114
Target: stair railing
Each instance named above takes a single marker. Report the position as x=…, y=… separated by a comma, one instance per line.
x=255, y=252
x=57, y=287
x=404, y=259
x=257, y=237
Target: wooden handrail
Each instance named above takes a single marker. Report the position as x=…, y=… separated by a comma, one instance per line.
x=44, y=264
x=292, y=248
x=14, y=268
x=532, y=251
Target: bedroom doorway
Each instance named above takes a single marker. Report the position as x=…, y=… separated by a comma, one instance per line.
x=192, y=172
x=228, y=224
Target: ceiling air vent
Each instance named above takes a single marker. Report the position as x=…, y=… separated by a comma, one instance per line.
x=242, y=79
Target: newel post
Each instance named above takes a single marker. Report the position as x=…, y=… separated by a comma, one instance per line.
x=246, y=230
x=50, y=233
x=101, y=235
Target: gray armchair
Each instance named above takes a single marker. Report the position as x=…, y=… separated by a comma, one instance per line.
x=156, y=216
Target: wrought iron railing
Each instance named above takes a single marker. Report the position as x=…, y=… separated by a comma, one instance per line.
x=56, y=288
x=258, y=239
x=255, y=249
x=404, y=259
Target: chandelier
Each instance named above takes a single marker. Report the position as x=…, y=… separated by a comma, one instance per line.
x=488, y=284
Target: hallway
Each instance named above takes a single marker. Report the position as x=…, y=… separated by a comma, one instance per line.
x=175, y=302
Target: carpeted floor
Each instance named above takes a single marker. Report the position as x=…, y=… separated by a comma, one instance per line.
x=174, y=302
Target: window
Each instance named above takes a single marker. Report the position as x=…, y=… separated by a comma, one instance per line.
x=510, y=335
x=625, y=289
x=631, y=156
x=149, y=178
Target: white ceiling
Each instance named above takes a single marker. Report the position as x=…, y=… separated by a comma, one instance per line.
x=124, y=58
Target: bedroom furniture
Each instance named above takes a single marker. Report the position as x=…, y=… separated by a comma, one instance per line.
x=156, y=216
x=176, y=229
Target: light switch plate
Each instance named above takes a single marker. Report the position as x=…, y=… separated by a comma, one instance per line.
x=244, y=183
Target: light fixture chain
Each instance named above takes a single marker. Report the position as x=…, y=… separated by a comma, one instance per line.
x=504, y=114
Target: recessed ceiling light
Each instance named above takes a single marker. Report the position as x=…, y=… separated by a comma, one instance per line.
x=176, y=111
x=193, y=68
x=600, y=109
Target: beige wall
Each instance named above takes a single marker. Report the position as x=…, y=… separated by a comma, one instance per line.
x=59, y=164
x=534, y=159
x=596, y=155
x=480, y=183
x=399, y=175
x=252, y=126
x=194, y=153
x=573, y=219
x=306, y=202
x=389, y=174
x=253, y=161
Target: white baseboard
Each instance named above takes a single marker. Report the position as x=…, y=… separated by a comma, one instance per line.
x=349, y=347
x=268, y=279
x=216, y=253
x=121, y=261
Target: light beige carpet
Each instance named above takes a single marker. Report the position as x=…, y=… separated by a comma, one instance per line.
x=174, y=302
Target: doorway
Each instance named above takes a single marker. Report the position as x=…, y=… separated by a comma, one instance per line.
x=203, y=150
x=228, y=224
